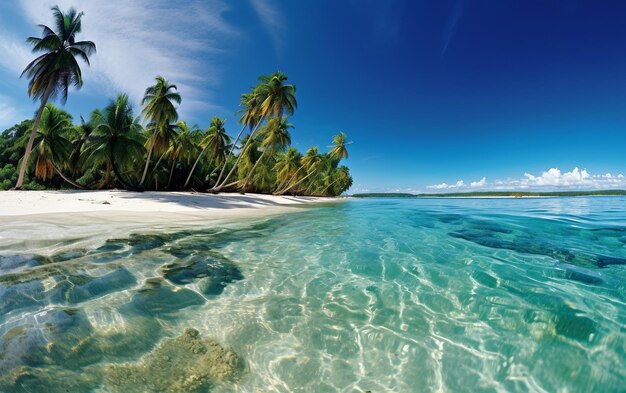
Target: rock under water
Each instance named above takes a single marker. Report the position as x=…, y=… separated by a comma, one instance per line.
x=211, y=271
x=187, y=363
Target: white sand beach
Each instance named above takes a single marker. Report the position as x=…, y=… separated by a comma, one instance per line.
x=199, y=205
x=47, y=221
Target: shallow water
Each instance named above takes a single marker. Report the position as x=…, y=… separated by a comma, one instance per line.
x=383, y=295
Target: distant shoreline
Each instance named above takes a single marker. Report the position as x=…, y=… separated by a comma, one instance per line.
x=494, y=194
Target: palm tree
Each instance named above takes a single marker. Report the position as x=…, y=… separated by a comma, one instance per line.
x=339, y=150
x=159, y=109
x=116, y=138
x=270, y=98
x=183, y=147
x=274, y=137
x=286, y=167
x=312, y=163
x=216, y=142
x=249, y=118
x=51, y=148
x=323, y=177
x=276, y=98
x=52, y=73
x=341, y=177
x=82, y=132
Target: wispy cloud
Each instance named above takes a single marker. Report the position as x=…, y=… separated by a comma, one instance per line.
x=553, y=178
x=15, y=55
x=9, y=113
x=451, y=26
x=141, y=39
x=272, y=19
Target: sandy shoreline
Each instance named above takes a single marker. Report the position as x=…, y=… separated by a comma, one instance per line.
x=21, y=203
x=49, y=221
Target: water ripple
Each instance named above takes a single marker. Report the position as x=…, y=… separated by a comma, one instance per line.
x=379, y=295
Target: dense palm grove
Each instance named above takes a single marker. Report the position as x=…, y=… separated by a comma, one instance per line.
x=153, y=149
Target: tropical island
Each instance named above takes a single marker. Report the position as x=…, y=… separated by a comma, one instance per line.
x=142, y=253
x=115, y=147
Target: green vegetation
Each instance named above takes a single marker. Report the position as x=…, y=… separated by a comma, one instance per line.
x=517, y=194
x=112, y=149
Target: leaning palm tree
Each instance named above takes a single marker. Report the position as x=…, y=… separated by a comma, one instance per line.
x=247, y=157
x=82, y=132
x=116, y=139
x=216, y=142
x=340, y=177
x=51, y=149
x=249, y=119
x=286, y=167
x=277, y=98
x=159, y=109
x=271, y=98
x=183, y=147
x=339, y=150
x=312, y=163
x=323, y=175
x=52, y=73
x=274, y=137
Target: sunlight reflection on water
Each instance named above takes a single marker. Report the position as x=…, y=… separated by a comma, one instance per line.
x=381, y=295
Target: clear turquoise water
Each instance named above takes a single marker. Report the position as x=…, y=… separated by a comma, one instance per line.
x=475, y=295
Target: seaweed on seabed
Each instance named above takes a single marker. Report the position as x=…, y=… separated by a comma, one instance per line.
x=187, y=363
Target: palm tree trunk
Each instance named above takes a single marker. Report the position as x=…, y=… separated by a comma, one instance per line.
x=66, y=179
x=117, y=172
x=280, y=186
x=214, y=169
x=289, y=182
x=169, y=181
x=328, y=186
x=33, y=133
x=231, y=184
x=107, y=175
x=145, y=169
x=193, y=168
x=300, y=181
x=158, y=162
x=230, y=153
x=245, y=182
x=217, y=187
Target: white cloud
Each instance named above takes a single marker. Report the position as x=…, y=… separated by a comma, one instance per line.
x=139, y=40
x=481, y=183
x=440, y=186
x=458, y=185
x=272, y=19
x=9, y=114
x=576, y=178
x=15, y=55
x=553, y=178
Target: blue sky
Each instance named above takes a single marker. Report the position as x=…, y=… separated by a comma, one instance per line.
x=436, y=95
